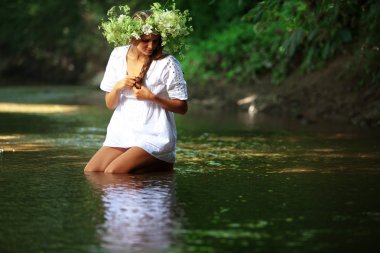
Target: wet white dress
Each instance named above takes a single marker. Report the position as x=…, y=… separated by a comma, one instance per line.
x=145, y=124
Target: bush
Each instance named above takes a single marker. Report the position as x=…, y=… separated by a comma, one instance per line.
x=278, y=37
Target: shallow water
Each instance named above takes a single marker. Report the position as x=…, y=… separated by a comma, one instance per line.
x=241, y=184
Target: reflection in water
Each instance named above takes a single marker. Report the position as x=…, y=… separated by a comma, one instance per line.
x=139, y=213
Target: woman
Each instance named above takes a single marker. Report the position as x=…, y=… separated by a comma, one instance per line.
x=144, y=86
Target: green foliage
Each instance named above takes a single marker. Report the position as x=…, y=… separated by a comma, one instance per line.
x=236, y=54
x=280, y=36
x=211, y=15
x=234, y=42
x=53, y=40
x=310, y=33
x=218, y=57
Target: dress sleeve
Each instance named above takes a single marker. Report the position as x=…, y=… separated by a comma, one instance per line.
x=110, y=75
x=173, y=79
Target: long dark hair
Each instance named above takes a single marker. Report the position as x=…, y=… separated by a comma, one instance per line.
x=158, y=51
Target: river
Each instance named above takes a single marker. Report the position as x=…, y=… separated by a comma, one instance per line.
x=241, y=183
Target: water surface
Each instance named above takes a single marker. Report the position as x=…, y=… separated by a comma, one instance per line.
x=241, y=184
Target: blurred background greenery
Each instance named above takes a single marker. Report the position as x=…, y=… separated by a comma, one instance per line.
x=254, y=46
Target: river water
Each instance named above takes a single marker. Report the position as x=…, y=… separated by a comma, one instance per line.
x=241, y=184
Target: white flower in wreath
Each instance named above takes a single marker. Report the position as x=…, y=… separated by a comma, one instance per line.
x=135, y=35
x=121, y=18
x=147, y=29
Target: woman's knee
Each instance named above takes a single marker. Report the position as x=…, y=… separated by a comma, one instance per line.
x=111, y=170
x=117, y=169
x=91, y=167
x=102, y=158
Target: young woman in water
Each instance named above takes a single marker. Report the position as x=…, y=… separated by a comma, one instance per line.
x=144, y=86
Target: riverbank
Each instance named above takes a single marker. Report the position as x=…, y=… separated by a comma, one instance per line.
x=337, y=92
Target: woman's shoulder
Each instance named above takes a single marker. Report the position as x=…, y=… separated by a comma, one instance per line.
x=118, y=52
x=169, y=68
x=167, y=61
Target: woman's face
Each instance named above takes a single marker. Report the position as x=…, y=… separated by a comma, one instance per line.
x=147, y=44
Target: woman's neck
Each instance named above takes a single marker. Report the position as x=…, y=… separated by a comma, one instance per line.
x=136, y=55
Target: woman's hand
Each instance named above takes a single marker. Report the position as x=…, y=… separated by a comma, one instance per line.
x=143, y=93
x=113, y=97
x=173, y=105
x=127, y=83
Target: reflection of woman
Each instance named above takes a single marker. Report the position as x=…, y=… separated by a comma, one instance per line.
x=145, y=86
x=138, y=211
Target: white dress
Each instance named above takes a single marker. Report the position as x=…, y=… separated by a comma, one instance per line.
x=144, y=124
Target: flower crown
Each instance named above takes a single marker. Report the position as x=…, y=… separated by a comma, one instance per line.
x=169, y=23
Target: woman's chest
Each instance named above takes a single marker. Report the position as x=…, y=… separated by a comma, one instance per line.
x=152, y=79
x=135, y=68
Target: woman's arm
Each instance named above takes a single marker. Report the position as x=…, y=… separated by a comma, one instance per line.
x=113, y=98
x=173, y=105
